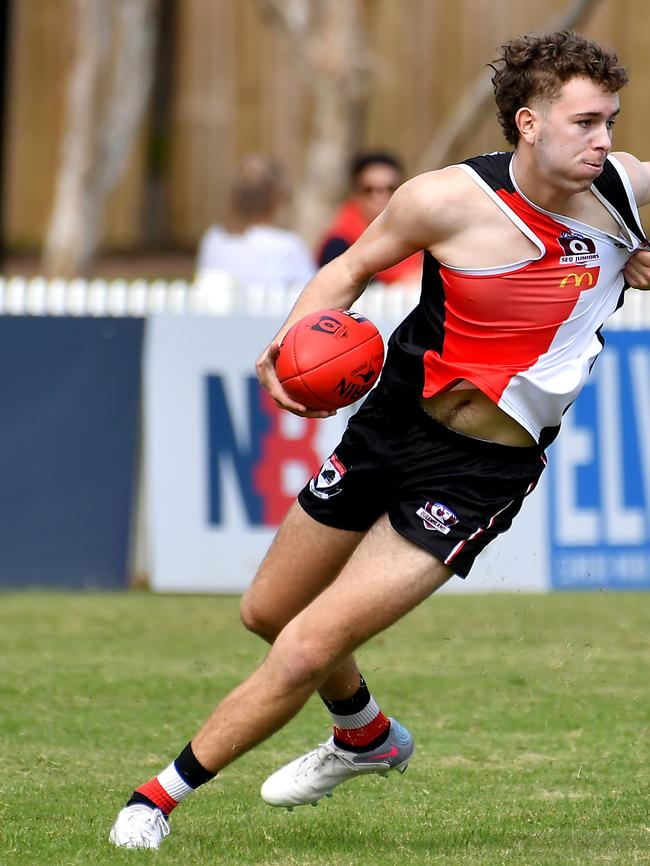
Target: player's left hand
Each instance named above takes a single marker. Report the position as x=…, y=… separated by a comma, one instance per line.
x=637, y=270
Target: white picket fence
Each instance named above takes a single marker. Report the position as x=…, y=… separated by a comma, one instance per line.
x=216, y=295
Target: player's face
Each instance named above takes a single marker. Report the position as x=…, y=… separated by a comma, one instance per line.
x=575, y=133
x=374, y=187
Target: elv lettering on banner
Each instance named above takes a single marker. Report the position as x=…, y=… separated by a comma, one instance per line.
x=600, y=472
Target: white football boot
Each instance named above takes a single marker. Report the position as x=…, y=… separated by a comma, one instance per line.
x=139, y=826
x=313, y=776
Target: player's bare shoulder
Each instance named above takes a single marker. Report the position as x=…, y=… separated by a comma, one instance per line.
x=433, y=204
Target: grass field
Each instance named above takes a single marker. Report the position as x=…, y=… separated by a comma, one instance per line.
x=531, y=716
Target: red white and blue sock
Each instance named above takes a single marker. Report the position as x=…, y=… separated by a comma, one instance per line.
x=359, y=724
x=176, y=782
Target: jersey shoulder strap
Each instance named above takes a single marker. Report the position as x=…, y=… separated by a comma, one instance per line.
x=493, y=169
x=611, y=186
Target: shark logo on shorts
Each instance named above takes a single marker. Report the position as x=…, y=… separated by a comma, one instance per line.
x=437, y=516
x=328, y=481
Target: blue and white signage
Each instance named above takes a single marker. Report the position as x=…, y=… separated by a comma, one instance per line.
x=599, y=503
x=224, y=464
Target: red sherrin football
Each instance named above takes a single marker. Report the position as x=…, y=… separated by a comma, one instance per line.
x=330, y=359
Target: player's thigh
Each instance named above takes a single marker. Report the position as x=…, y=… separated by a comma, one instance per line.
x=304, y=557
x=385, y=578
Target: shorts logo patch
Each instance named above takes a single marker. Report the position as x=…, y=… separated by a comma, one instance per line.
x=327, y=483
x=437, y=516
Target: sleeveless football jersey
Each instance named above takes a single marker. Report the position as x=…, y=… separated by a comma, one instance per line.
x=527, y=334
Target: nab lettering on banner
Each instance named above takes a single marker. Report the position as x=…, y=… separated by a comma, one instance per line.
x=260, y=452
x=224, y=463
x=600, y=475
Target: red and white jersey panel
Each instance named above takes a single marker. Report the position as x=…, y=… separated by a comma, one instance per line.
x=527, y=335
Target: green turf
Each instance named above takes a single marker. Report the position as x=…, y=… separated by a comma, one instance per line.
x=531, y=715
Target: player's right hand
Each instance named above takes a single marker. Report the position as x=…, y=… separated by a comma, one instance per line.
x=265, y=369
x=637, y=270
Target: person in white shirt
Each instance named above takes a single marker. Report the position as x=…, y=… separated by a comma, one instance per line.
x=249, y=246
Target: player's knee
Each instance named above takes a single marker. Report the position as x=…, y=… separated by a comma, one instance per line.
x=256, y=619
x=302, y=661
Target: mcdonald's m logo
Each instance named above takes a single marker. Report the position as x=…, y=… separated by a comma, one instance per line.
x=577, y=279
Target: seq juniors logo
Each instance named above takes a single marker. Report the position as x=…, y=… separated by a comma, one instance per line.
x=438, y=517
x=577, y=249
x=328, y=481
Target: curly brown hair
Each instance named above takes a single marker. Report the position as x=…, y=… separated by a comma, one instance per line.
x=535, y=66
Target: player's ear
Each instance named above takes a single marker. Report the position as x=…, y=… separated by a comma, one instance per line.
x=526, y=120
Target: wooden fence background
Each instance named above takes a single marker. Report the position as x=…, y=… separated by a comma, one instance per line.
x=234, y=88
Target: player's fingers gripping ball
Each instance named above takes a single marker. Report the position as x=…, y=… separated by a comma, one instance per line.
x=330, y=359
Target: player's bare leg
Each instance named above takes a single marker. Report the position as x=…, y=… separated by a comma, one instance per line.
x=304, y=558
x=385, y=578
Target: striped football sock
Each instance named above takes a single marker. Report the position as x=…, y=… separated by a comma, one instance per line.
x=176, y=782
x=359, y=724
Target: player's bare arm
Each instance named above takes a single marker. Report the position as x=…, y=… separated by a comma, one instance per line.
x=333, y=287
x=417, y=217
x=639, y=174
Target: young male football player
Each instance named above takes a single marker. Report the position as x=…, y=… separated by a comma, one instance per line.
x=525, y=257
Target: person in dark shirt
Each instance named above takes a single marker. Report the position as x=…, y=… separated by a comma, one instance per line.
x=374, y=177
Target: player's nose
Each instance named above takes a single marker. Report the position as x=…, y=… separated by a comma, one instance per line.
x=602, y=138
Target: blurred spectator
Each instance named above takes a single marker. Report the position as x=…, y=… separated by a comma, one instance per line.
x=374, y=177
x=249, y=246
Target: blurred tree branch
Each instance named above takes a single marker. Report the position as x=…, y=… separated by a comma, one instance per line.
x=477, y=103
x=328, y=41
x=109, y=83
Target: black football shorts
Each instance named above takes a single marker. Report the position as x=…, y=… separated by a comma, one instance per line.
x=446, y=492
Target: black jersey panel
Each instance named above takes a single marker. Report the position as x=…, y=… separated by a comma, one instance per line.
x=422, y=329
x=494, y=169
x=610, y=185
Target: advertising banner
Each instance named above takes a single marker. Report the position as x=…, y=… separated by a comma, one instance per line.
x=599, y=502
x=224, y=464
